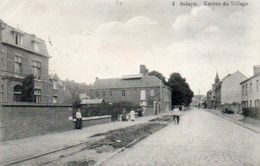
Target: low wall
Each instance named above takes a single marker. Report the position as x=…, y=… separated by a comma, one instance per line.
x=252, y=113
x=20, y=120
x=90, y=121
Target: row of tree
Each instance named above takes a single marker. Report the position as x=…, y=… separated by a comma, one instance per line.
x=181, y=92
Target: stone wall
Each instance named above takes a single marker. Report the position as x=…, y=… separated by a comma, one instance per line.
x=26, y=120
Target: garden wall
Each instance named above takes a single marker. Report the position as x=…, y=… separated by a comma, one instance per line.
x=20, y=120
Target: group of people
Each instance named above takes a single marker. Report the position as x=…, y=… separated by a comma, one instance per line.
x=130, y=116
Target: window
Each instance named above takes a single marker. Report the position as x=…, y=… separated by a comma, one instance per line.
x=152, y=92
x=17, y=38
x=2, y=93
x=246, y=90
x=250, y=105
x=110, y=93
x=257, y=103
x=250, y=87
x=36, y=46
x=96, y=93
x=123, y=92
x=103, y=93
x=257, y=85
x=17, y=93
x=243, y=90
x=142, y=94
x=18, y=64
x=36, y=69
x=55, y=84
x=37, y=95
x=55, y=99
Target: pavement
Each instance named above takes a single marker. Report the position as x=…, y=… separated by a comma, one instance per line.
x=249, y=123
x=201, y=138
x=16, y=150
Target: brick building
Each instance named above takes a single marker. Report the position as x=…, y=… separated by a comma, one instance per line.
x=140, y=89
x=22, y=54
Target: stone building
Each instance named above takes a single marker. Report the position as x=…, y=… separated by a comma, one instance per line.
x=250, y=90
x=22, y=54
x=140, y=89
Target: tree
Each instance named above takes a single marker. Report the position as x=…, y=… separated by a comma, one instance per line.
x=181, y=92
x=72, y=89
x=28, y=89
x=158, y=75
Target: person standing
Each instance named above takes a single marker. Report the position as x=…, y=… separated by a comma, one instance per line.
x=176, y=115
x=132, y=115
x=124, y=115
x=78, y=119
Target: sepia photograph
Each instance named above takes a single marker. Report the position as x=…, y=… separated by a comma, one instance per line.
x=129, y=82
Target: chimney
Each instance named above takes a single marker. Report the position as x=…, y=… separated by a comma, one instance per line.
x=96, y=78
x=256, y=69
x=144, y=70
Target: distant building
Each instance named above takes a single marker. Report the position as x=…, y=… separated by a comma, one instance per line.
x=197, y=100
x=231, y=89
x=57, y=91
x=214, y=95
x=140, y=89
x=22, y=54
x=225, y=92
x=250, y=90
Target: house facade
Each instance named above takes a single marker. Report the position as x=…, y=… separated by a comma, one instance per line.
x=140, y=90
x=225, y=92
x=231, y=89
x=22, y=54
x=57, y=91
x=250, y=90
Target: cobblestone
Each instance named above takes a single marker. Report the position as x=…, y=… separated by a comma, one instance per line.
x=201, y=138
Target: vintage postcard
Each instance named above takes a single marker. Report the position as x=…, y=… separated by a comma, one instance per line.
x=130, y=82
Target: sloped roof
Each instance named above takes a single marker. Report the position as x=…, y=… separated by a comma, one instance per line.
x=237, y=72
x=92, y=101
x=256, y=75
x=145, y=81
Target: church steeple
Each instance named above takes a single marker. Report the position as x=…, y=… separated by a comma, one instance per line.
x=217, y=78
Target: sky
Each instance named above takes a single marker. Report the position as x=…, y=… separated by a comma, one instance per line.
x=111, y=38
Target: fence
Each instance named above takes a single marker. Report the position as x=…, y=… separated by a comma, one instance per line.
x=106, y=109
